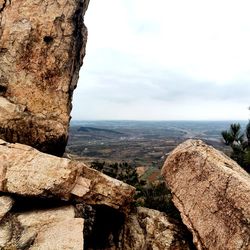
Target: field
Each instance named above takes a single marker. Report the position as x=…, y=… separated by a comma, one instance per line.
x=140, y=143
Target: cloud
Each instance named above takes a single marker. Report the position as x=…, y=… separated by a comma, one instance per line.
x=190, y=58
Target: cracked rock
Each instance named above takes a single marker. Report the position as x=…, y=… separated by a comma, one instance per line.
x=212, y=192
x=150, y=229
x=42, y=45
x=26, y=171
x=55, y=228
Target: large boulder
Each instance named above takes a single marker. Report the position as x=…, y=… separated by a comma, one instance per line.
x=212, y=193
x=55, y=228
x=27, y=172
x=150, y=229
x=42, y=45
x=35, y=181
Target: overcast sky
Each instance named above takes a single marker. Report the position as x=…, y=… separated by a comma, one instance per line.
x=165, y=60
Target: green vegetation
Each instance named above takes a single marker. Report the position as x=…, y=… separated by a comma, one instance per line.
x=121, y=171
x=239, y=143
x=151, y=195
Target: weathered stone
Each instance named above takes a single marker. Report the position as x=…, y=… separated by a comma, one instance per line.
x=42, y=45
x=28, y=172
x=105, y=190
x=46, y=228
x=151, y=229
x=212, y=192
x=5, y=234
x=5, y=205
x=67, y=234
x=38, y=218
x=43, y=229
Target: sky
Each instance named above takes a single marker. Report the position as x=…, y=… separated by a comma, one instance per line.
x=165, y=60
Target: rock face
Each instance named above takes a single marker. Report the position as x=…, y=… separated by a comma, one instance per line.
x=151, y=229
x=26, y=171
x=213, y=195
x=5, y=205
x=42, y=229
x=42, y=44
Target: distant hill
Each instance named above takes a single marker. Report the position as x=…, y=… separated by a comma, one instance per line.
x=140, y=143
x=92, y=129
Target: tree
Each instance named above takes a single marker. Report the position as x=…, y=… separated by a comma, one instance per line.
x=233, y=135
x=240, y=147
x=248, y=134
x=227, y=137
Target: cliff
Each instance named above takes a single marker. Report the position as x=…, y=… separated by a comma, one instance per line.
x=42, y=45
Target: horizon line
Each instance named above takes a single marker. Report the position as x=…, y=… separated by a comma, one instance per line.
x=146, y=120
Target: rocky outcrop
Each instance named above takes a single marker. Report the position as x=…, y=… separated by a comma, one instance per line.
x=5, y=205
x=26, y=171
x=151, y=229
x=213, y=195
x=42, y=45
x=42, y=229
x=46, y=180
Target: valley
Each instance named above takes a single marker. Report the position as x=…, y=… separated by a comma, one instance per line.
x=140, y=143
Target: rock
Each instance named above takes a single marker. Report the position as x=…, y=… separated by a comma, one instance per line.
x=42, y=45
x=151, y=229
x=51, y=229
x=212, y=192
x=38, y=218
x=5, y=205
x=105, y=190
x=43, y=229
x=5, y=234
x=141, y=171
x=26, y=171
x=67, y=234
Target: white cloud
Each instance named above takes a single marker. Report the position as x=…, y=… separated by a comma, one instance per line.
x=155, y=54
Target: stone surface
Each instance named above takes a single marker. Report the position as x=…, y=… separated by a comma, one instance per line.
x=28, y=172
x=42, y=44
x=6, y=233
x=151, y=229
x=53, y=229
x=5, y=205
x=67, y=234
x=105, y=190
x=213, y=195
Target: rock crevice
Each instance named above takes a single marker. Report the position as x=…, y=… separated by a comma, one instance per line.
x=2, y=5
x=28, y=172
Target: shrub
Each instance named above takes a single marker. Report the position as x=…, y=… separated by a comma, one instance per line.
x=151, y=195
